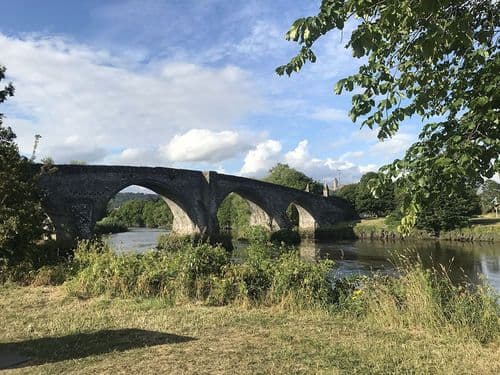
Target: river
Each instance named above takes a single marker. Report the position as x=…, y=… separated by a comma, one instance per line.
x=469, y=260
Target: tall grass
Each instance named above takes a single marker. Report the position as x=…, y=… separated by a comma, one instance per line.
x=426, y=300
x=419, y=300
x=202, y=273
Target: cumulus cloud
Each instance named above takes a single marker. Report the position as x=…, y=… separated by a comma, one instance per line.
x=321, y=169
x=267, y=154
x=113, y=102
x=262, y=158
x=204, y=145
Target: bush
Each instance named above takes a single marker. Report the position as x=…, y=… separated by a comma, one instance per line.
x=301, y=282
x=110, y=225
x=51, y=275
x=285, y=236
x=173, y=243
x=257, y=234
x=269, y=274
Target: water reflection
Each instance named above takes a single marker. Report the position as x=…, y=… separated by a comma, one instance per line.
x=464, y=261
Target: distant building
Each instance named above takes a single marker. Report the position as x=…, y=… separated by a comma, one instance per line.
x=326, y=191
x=335, y=185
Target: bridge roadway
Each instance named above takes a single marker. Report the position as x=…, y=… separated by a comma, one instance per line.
x=76, y=196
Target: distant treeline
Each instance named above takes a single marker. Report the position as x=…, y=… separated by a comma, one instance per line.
x=121, y=198
x=139, y=210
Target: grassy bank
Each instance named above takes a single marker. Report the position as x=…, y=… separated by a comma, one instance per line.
x=101, y=335
x=188, y=309
x=484, y=228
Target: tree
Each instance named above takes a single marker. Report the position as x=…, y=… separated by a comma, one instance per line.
x=282, y=174
x=21, y=215
x=436, y=59
x=448, y=211
x=382, y=204
x=361, y=197
x=348, y=192
x=234, y=212
x=489, y=191
x=141, y=210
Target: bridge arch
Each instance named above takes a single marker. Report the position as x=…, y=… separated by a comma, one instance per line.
x=184, y=220
x=259, y=213
x=302, y=218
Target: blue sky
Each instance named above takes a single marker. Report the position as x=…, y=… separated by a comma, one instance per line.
x=185, y=84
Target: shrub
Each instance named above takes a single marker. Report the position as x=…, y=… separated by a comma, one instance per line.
x=50, y=275
x=286, y=236
x=173, y=243
x=110, y=225
x=269, y=274
x=302, y=282
x=257, y=234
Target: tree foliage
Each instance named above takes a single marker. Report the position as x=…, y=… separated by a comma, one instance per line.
x=381, y=205
x=448, y=211
x=364, y=201
x=282, y=174
x=489, y=191
x=234, y=214
x=21, y=215
x=435, y=59
x=348, y=192
x=150, y=213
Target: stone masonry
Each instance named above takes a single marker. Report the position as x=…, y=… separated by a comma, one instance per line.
x=76, y=196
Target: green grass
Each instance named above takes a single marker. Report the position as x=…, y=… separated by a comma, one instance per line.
x=114, y=335
x=482, y=228
x=188, y=309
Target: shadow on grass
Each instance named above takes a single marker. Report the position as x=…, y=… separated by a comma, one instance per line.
x=81, y=345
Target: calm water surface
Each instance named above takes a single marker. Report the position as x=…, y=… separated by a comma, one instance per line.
x=365, y=257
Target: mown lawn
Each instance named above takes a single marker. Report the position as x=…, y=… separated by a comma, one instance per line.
x=63, y=334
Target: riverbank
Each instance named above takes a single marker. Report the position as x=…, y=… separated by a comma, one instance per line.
x=481, y=229
x=63, y=334
x=190, y=309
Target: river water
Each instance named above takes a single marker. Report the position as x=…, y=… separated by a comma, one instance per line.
x=463, y=260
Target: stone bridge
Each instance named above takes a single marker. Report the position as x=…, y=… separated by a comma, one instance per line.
x=76, y=196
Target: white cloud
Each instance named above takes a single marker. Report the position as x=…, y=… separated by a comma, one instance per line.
x=267, y=154
x=352, y=155
x=135, y=156
x=330, y=114
x=260, y=159
x=321, y=169
x=65, y=90
x=393, y=147
x=204, y=145
x=368, y=168
x=264, y=39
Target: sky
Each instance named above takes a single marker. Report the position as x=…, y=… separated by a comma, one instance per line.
x=183, y=84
